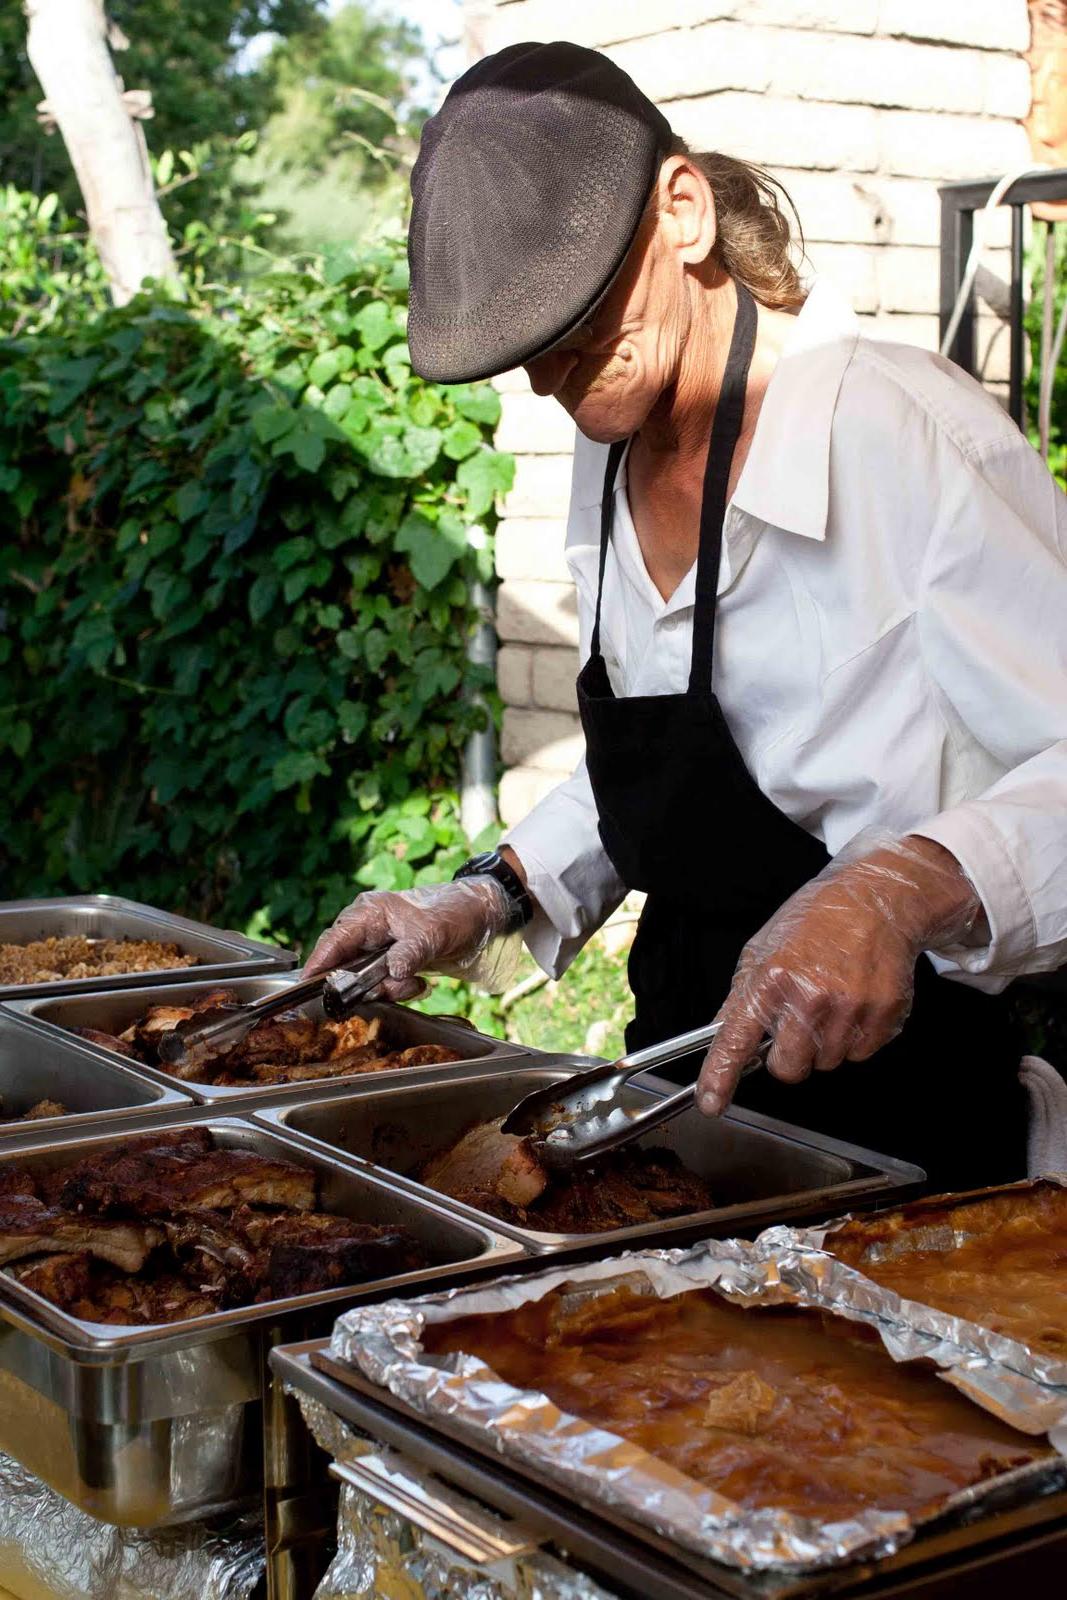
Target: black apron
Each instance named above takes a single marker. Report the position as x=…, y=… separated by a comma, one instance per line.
x=683, y=820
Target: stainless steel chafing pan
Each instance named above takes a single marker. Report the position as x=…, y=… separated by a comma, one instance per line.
x=758, y=1167
x=94, y=1092
x=221, y=953
x=114, y=1011
x=146, y=1426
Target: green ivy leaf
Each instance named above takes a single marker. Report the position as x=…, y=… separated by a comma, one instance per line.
x=477, y=402
x=297, y=766
x=401, y=452
x=432, y=554
x=483, y=477
x=273, y=422
x=261, y=596
x=460, y=440
x=375, y=324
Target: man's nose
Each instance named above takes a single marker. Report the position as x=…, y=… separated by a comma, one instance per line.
x=548, y=373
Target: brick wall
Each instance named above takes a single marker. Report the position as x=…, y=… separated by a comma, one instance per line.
x=862, y=107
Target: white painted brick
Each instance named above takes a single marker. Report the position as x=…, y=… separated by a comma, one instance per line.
x=513, y=381
x=795, y=133
x=542, y=487
x=554, y=672
x=514, y=674
x=537, y=613
x=721, y=55
x=531, y=549
x=986, y=24
x=547, y=740
x=901, y=328
x=925, y=145
x=908, y=279
x=1007, y=86
x=877, y=72
x=852, y=269
x=590, y=22
x=843, y=16
x=520, y=791
x=534, y=425
x=863, y=208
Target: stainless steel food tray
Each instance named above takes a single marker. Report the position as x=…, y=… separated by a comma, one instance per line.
x=146, y=1426
x=222, y=952
x=760, y=1167
x=114, y=1010
x=97, y=1093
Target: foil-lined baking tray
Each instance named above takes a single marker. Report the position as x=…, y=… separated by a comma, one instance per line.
x=384, y=1342
x=804, y=1261
x=48, y=1546
x=113, y=1011
x=220, y=952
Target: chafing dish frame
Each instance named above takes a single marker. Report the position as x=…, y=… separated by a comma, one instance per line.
x=113, y=1011
x=225, y=953
x=145, y=1426
x=717, y=1149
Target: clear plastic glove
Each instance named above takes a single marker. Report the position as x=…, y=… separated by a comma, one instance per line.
x=454, y=928
x=832, y=974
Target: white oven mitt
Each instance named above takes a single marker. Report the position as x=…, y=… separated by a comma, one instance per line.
x=1046, y=1145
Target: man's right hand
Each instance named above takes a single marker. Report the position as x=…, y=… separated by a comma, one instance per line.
x=443, y=927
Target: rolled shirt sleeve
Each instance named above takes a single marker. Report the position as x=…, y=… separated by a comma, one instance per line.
x=569, y=874
x=993, y=626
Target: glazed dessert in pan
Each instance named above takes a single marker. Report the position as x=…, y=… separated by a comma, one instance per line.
x=290, y=1047
x=174, y=1227
x=499, y=1173
x=74, y=956
x=1000, y=1262
x=771, y=1408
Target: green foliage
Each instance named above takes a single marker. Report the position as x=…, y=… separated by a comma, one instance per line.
x=559, y=1016
x=332, y=159
x=189, y=54
x=234, y=593
x=45, y=263
x=1057, y=458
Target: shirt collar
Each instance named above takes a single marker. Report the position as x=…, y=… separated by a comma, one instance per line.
x=786, y=477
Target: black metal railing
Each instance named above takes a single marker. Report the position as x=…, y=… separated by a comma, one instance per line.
x=959, y=202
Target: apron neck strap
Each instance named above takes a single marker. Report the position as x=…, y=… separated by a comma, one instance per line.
x=607, y=517
x=725, y=432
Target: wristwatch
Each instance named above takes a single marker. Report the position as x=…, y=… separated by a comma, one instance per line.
x=491, y=864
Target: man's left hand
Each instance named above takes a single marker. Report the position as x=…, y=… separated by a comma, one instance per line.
x=832, y=975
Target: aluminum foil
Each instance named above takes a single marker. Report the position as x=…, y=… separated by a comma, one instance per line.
x=385, y=1343
x=380, y=1552
x=988, y=1363
x=48, y=1546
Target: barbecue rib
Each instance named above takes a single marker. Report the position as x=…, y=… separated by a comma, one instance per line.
x=229, y=1227
x=498, y=1173
x=29, y=1227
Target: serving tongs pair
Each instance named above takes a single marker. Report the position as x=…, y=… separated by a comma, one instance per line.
x=218, y=1030
x=587, y=1115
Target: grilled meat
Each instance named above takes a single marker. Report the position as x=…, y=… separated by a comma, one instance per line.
x=64, y=1279
x=487, y=1161
x=107, y=1041
x=499, y=1174
x=42, y=1108
x=30, y=1227
x=158, y=1182
x=289, y=1048
x=305, y=1255
x=13, y=1180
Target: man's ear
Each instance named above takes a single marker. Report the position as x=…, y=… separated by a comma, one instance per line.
x=686, y=209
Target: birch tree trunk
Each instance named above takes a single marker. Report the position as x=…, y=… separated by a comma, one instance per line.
x=68, y=49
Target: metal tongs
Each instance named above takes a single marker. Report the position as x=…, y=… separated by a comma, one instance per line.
x=217, y=1031
x=584, y=1116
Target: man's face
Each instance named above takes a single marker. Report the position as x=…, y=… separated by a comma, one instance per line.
x=610, y=372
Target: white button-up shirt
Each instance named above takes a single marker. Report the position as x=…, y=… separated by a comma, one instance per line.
x=891, y=642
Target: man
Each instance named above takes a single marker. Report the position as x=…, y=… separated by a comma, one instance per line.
x=823, y=596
